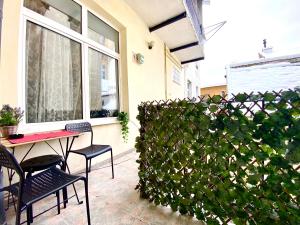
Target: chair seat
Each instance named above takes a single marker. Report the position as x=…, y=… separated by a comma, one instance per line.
x=92, y=150
x=40, y=163
x=44, y=184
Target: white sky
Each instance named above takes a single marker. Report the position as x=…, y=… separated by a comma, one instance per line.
x=240, y=39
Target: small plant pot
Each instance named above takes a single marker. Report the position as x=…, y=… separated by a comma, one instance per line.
x=8, y=130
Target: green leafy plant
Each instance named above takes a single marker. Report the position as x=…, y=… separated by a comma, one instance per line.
x=10, y=116
x=124, y=120
x=223, y=160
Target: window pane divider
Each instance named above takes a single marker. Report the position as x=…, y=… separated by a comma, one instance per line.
x=85, y=82
x=61, y=29
x=100, y=48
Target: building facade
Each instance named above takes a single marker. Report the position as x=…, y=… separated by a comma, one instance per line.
x=214, y=90
x=192, y=80
x=86, y=60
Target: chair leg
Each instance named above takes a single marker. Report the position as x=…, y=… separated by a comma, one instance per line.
x=65, y=197
x=90, y=167
x=87, y=170
x=18, y=213
x=112, y=164
x=58, y=202
x=28, y=214
x=87, y=202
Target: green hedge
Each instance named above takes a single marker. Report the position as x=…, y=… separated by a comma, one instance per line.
x=223, y=160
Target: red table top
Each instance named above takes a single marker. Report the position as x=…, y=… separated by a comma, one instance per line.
x=42, y=136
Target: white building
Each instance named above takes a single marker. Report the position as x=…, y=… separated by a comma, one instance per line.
x=192, y=79
x=265, y=74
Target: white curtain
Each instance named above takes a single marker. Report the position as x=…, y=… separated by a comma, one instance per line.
x=53, y=75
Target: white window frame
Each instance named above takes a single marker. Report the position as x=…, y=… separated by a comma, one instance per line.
x=86, y=43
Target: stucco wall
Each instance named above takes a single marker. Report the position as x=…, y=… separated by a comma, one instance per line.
x=266, y=77
x=137, y=82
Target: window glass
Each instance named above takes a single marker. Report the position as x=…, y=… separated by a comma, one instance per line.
x=102, y=33
x=103, y=77
x=189, y=89
x=176, y=76
x=65, y=12
x=53, y=76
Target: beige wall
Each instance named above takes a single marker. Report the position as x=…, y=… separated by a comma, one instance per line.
x=138, y=82
x=9, y=52
x=214, y=90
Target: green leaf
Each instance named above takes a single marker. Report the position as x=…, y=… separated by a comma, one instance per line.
x=241, y=97
x=259, y=117
x=213, y=108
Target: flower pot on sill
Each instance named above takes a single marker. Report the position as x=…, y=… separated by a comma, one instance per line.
x=8, y=130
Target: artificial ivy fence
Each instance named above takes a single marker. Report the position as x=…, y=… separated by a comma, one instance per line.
x=223, y=160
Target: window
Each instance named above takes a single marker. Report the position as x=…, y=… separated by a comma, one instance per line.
x=176, y=76
x=189, y=89
x=102, y=33
x=103, y=71
x=103, y=88
x=60, y=83
x=52, y=75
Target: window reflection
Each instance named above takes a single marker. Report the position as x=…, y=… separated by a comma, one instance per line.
x=65, y=12
x=103, y=85
x=102, y=33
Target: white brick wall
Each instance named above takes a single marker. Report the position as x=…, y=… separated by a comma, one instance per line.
x=266, y=77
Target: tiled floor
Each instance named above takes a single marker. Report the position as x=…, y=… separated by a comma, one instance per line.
x=112, y=202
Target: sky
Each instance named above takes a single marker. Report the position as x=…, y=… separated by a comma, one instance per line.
x=241, y=38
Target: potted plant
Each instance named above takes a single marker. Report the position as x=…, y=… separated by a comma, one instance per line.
x=9, y=119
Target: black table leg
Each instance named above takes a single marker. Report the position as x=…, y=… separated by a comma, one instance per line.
x=66, y=168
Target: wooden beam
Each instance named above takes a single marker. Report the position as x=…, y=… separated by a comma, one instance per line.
x=184, y=46
x=168, y=22
x=192, y=60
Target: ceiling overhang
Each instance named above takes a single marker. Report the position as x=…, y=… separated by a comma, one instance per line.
x=177, y=22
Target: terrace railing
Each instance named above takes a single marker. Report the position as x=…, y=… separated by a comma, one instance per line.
x=223, y=160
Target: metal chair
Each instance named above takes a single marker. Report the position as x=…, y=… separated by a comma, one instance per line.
x=34, y=188
x=92, y=150
x=40, y=163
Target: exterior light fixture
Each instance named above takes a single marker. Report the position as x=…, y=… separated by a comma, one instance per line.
x=150, y=44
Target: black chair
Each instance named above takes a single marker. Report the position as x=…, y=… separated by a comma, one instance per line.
x=34, y=188
x=40, y=163
x=92, y=150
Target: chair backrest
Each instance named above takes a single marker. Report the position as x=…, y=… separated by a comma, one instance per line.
x=82, y=127
x=9, y=161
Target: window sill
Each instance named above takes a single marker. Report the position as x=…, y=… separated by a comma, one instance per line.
x=51, y=126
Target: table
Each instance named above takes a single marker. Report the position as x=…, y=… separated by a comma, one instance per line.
x=33, y=139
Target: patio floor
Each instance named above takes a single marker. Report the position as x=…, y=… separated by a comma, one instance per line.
x=112, y=201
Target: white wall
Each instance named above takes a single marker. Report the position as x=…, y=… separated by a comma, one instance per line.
x=192, y=73
x=264, y=77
